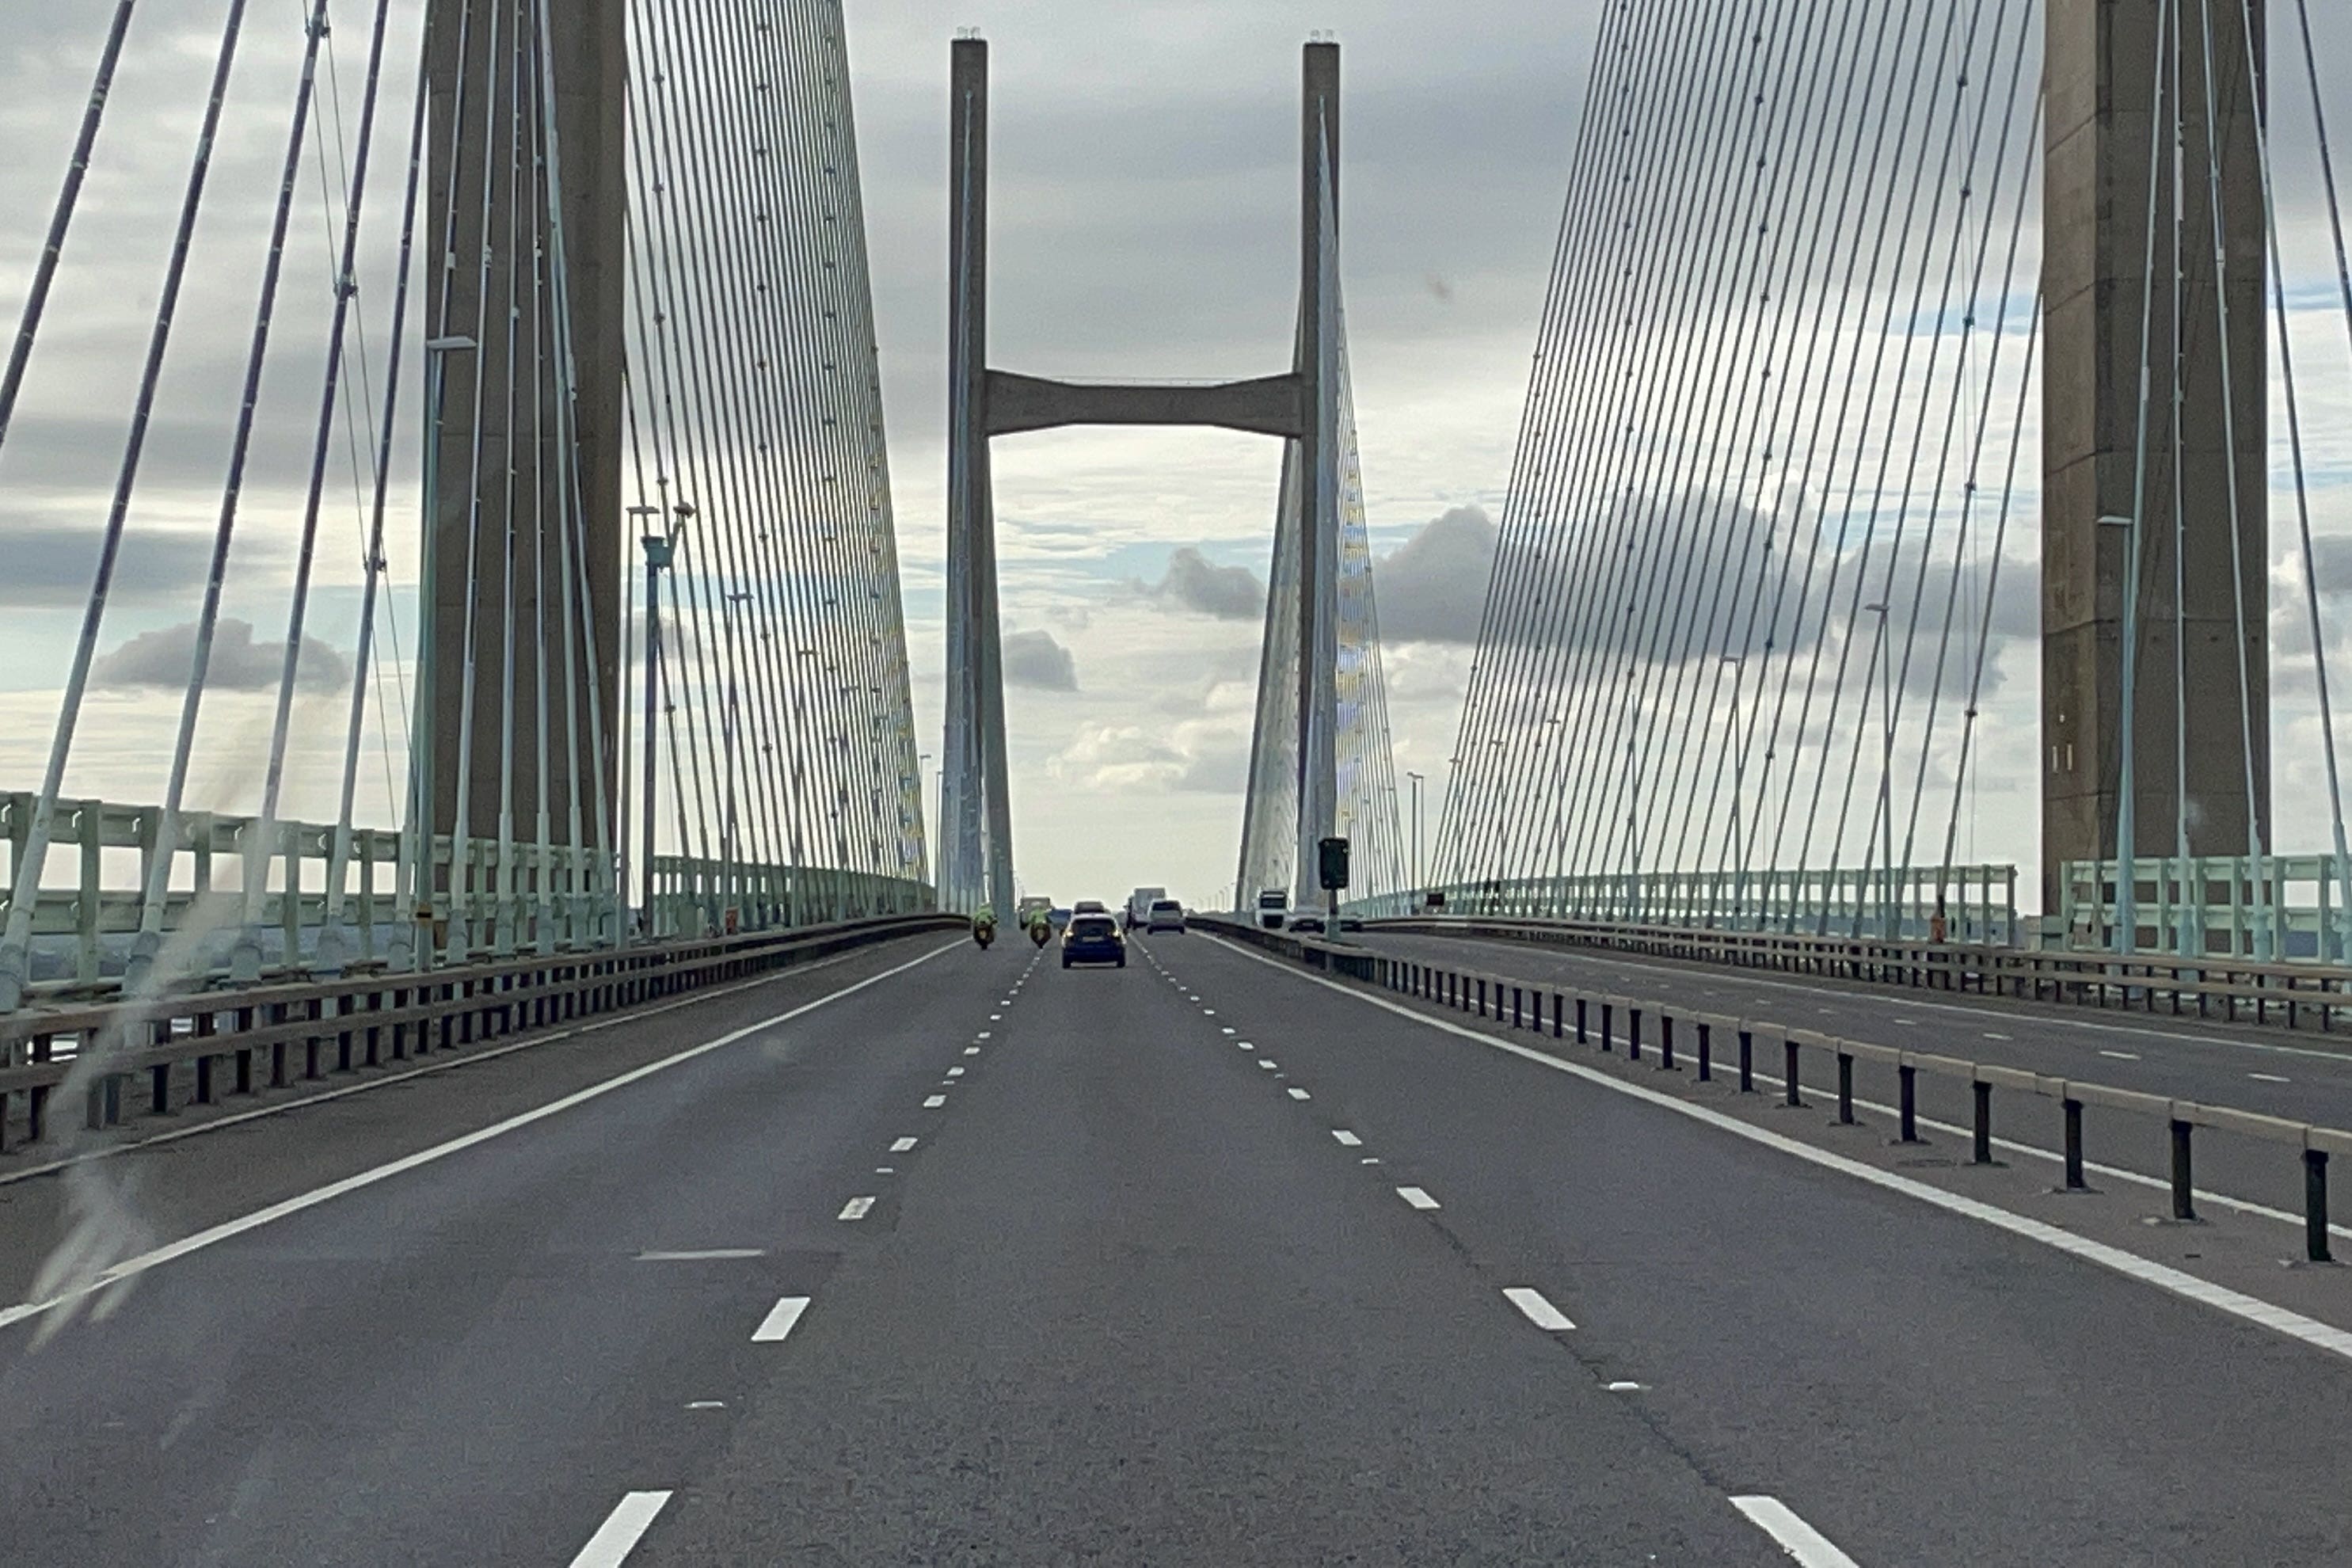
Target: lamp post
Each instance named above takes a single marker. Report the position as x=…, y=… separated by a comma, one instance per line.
x=1417, y=874
x=1880, y=677
x=1738, y=784
x=659, y=548
x=731, y=873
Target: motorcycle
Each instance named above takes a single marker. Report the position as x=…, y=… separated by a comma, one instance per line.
x=1039, y=931
x=983, y=933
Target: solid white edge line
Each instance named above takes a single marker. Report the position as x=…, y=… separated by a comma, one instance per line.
x=2236, y=1303
x=622, y=1530
x=213, y=1235
x=1794, y=1536
x=781, y=1318
x=1418, y=1197
x=444, y=1064
x=1537, y=1308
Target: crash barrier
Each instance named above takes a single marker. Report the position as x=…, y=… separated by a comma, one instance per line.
x=195, y=1047
x=1563, y=1011
x=2299, y=995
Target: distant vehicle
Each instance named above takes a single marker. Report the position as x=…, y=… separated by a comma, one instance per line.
x=1307, y=920
x=1139, y=905
x=1092, y=906
x=1272, y=905
x=1057, y=919
x=1028, y=910
x=1094, y=938
x=1165, y=914
x=1352, y=922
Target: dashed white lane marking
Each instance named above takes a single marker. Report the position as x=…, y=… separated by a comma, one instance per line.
x=1267, y=1062
x=1244, y=1045
x=971, y=1050
x=886, y=1170
x=856, y=1208
x=955, y=1072
x=996, y=1017
x=2177, y=1282
x=1907, y=1023
x=933, y=1101
x=622, y=1530
x=1208, y=1012
x=1300, y=1094
x=1229, y=1029
x=1347, y=1139
x=700, y=1255
x=1624, y=1388
x=1996, y=1035
x=282, y=1209
x=1369, y=1160
x=1416, y=1198
x=780, y=1319
x=981, y=1036
x=901, y=1145
x=1799, y=1539
x=2268, y=1077
x=706, y=1405
x=2121, y=1056
x=1539, y=1312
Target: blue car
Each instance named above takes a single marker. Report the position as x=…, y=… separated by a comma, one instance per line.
x=1093, y=939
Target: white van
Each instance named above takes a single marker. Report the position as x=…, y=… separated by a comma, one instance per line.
x=1272, y=907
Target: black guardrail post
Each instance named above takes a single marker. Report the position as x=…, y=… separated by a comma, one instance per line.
x=1845, y=1088
x=2314, y=1205
x=1982, y=1144
x=2074, y=1183
x=1518, y=1019
x=1559, y=1024
x=1582, y=1037
x=1632, y=1034
x=1747, y=1061
x=1608, y=1022
x=1705, y=1052
x=1909, y=1077
x=1793, y=1094
x=2184, y=1205
x=1666, y=1042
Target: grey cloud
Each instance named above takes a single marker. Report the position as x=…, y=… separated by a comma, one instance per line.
x=162, y=658
x=1195, y=583
x=1036, y=660
x=1430, y=588
x=51, y=565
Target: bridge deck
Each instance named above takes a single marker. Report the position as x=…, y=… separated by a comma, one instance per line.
x=1127, y=1296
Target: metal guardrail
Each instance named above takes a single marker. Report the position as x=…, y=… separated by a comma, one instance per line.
x=269, y=1035
x=1486, y=994
x=2299, y=995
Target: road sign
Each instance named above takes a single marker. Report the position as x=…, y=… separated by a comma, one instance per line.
x=1333, y=860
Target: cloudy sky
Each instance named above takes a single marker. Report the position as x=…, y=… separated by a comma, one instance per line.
x=1144, y=225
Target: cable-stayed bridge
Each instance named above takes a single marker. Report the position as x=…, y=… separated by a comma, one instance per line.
x=561, y=1113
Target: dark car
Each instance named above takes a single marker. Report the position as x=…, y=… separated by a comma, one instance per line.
x=1310, y=923
x=1093, y=939
x=1352, y=922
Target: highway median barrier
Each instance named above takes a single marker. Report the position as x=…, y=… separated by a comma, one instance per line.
x=2314, y=1145
x=100, y=1048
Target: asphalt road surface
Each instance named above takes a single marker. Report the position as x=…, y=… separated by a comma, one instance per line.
x=1197, y=1261
x=2302, y=1078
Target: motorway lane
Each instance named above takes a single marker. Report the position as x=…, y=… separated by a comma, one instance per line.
x=458, y=1365
x=2243, y=1067
x=1137, y=1307
x=1921, y=1387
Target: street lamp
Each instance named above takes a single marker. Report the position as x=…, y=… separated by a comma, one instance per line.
x=1738, y=783
x=1880, y=674
x=1417, y=873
